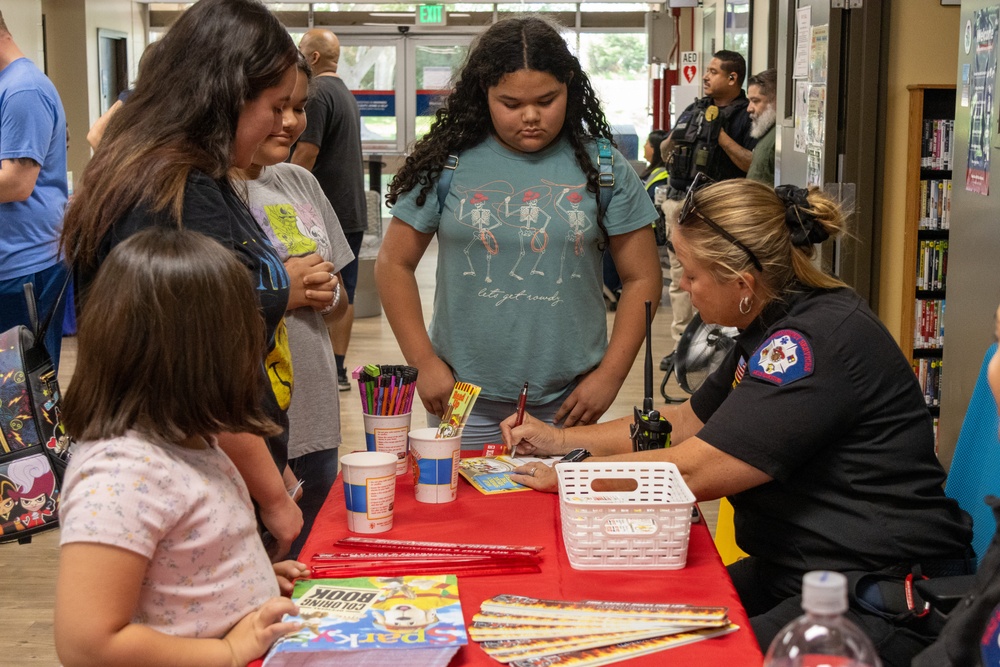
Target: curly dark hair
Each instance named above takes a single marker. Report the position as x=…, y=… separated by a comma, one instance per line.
x=513, y=44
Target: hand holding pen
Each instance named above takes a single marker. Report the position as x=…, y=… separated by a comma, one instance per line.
x=521, y=402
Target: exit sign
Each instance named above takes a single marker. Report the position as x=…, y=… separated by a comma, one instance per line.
x=431, y=15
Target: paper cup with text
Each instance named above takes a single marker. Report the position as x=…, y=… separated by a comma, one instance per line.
x=369, y=490
x=435, y=465
x=387, y=433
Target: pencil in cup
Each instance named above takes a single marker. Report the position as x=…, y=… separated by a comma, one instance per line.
x=386, y=389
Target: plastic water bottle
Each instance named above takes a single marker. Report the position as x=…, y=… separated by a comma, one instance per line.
x=822, y=637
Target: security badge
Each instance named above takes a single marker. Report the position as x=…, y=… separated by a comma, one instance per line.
x=783, y=358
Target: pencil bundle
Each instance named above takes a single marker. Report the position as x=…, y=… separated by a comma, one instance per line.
x=386, y=390
x=395, y=557
x=463, y=397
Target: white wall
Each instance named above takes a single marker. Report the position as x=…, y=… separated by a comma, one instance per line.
x=71, y=27
x=24, y=20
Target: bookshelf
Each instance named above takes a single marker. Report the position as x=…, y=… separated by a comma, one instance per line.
x=925, y=258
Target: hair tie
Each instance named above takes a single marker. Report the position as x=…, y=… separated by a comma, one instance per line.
x=802, y=224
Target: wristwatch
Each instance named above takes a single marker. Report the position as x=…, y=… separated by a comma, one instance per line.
x=575, y=456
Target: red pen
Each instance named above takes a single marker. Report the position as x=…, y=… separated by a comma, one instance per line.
x=521, y=400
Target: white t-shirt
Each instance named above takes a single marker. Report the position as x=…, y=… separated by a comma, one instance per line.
x=187, y=511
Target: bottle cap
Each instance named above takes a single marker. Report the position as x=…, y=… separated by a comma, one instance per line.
x=824, y=592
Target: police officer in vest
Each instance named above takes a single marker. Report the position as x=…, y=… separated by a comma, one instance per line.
x=712, y=135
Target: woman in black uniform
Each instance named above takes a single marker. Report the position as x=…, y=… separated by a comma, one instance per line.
x=814, y=426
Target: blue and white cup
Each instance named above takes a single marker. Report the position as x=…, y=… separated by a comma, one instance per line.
x=369, y=490
x=435, y=465
x=388, y=433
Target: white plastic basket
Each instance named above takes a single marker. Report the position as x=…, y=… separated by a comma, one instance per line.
x=646, y=529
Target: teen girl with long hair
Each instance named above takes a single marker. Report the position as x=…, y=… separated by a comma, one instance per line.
x=521, y=233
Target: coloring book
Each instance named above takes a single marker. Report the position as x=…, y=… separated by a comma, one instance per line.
x=373, y=621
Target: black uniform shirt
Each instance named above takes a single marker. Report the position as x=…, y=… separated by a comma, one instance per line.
x=736, y=123
x=828, y=406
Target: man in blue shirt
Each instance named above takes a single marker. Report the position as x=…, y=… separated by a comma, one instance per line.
x=33, y=190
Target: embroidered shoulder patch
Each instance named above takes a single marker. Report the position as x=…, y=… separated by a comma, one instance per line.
x=783, y=358
x=990, y=644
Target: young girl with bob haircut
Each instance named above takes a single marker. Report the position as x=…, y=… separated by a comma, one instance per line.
x=160, y=561
x=206, y=97
x=521, y=233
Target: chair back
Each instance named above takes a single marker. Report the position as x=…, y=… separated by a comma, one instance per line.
x=975, y=468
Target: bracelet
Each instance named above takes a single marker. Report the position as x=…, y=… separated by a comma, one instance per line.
x=333, y=304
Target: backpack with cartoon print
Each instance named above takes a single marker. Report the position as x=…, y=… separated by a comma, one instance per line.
x=33, y=444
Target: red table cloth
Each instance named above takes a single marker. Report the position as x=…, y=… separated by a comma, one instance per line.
x=532, y=518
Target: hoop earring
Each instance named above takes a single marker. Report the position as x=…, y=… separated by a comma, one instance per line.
x=745, y=305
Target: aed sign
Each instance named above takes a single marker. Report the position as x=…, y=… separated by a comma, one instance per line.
x=690, y=67
x=431, y=15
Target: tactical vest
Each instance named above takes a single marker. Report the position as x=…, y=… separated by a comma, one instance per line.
x=696, y=140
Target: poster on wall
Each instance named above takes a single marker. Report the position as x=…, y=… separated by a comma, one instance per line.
x=814, y=166
x=818, y=53
x=966, y=73
x=803, y=21
x=816, y=115
x=984, y=62
x=801, y=110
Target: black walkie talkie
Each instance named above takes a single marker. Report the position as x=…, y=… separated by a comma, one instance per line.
x=650, y=430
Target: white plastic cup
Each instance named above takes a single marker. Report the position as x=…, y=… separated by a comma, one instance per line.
x=369, y=490
x=435, y=465
x=387, y=433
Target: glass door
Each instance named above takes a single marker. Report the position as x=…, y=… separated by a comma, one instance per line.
x=372, y=68
x=399, y=82
x=433, y=62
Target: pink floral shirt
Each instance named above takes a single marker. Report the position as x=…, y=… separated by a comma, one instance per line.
x=187, y=511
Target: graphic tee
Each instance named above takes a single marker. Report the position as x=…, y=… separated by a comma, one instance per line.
x=288, y=204
x=519, y=282
x=216, y=210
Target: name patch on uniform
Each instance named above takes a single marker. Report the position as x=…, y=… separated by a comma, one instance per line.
x=783, y=358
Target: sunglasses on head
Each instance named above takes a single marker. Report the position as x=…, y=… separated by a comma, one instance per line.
x=688, y=209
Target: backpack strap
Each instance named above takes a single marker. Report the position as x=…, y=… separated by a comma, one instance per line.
x=39, y=330
x=606, y=179
x=444, y=180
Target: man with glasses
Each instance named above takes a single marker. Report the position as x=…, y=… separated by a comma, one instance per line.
x=712, y=136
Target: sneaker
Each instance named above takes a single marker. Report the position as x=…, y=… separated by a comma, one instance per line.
x=342, y=382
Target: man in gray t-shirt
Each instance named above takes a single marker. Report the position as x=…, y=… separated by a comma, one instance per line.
x=330, y=147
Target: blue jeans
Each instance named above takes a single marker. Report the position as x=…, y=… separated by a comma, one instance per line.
x=317, y=471
x=483, y=425
x=14, y=309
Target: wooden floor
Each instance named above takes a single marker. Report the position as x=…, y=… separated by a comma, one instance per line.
x=27, y=573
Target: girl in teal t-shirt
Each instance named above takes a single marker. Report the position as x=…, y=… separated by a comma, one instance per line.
x=521, y=234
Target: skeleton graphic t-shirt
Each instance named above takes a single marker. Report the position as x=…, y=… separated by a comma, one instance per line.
x=518, y=291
